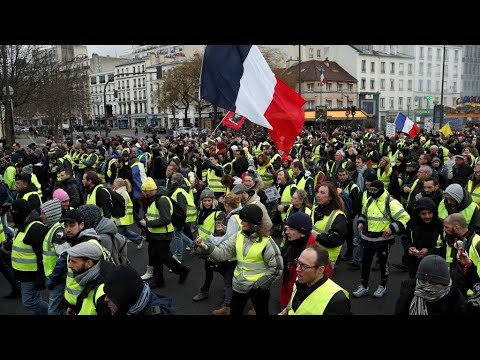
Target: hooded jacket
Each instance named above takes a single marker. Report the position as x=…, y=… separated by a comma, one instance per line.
x=106, y=231
x=71, y=188
x=467, y=200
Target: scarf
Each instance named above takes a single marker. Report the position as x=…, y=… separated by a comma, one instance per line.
x=86, y=277
x=360, y=179
x=426, y=293
x=141, y=302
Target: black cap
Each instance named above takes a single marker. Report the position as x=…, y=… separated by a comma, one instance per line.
x=252, y=214
x=123, y=286
x=412, y=164
x=21, y=206
x=300, y=221
x=23, y=176
x=73, y=216
x=91, y=146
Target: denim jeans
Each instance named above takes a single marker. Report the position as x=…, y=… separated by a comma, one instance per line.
x=181, y=238
x=32, y=300
x=56, y=300
x=129, y=234
x=358, y=255
x=8, y=231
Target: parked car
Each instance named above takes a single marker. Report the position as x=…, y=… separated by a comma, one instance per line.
x=181, y=130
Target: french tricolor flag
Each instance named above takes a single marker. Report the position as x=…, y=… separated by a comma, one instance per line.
x=237, y=78
x=404, y=124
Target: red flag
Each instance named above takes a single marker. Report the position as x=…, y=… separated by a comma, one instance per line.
x=233, y=120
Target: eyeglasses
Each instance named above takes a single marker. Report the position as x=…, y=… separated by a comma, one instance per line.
x=303, y=266
x=373, y=190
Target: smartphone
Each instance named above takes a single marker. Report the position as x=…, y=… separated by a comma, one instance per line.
x=459, y=244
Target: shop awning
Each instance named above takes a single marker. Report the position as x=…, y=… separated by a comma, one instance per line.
x=340, y=115
x=309, y=115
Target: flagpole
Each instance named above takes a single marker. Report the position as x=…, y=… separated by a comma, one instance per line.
x=220, y=123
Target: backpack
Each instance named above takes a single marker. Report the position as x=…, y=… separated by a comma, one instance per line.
x=118, y=203
x=178, y=214
x=347, y=202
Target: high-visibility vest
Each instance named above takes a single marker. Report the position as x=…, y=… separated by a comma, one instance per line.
x=89, y=156
x=37, y=183
x=23, y=256
x=467, y=212
x=308, y=211
x=92, y=197
x=385, y=178
x=323, y=227
x=258, y=149
x=109, y=167
x=3, y=238
x=72, y=287
x=208, y=226
x=251, y=265
x=89, y=304
x=317, y=301
x=225, y=166
x=215, y=182
x=191, y=209
x=286, y=198
x=128, y=218
x=475, y=193
x=49, y=255
x=302, y=182
x=415, y=183
x=27, y=195
x=393, y=157
x=154, y=214
x=82, y=157
x=266, y=176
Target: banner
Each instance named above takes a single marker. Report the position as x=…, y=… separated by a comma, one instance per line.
x=390, y=130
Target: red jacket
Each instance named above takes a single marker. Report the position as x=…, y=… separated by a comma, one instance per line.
x=287, y=287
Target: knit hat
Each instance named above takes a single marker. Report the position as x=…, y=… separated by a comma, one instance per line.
x=86, y=249
x=434, y=269
x=21, y=205
x=28, y=169
x=240, y=188
x=61, y=195
x=52, y=210
x=252, y=214
x=24, y=177
x=455, y=191
x=39, y=152
x=149, y=184
x=378, y=184
x=123, y=286
x=300, y=221
x=207, y=193
x=73, y=216
x=436, y=159
x=91, y=215
x=413, y=164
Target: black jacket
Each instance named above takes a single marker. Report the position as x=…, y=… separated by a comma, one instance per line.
x=103, y=201
x=71, y=188
x=163, y=207
x=33, y=199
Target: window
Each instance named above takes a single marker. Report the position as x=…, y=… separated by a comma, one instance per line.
x=143, y=68
x=410, y=67
x=328, y=86
x=134, y=83
x=409, y=102
x=391, y=101
x=128, y=84
x=392, y=84
x=144, y=94
x=420, y=85
x=102, y=79
x=350, y=87
x=439, y=57
x=437, y=85
x=372, y=84
x=429, y=69
x=382, y=67
x=420, y=69
x=422, y=52
x=429, y=54
x=455, y=70
x=382, y=103
x=372, y=67
x=310, y=53
x=400, y=85
x=364, y=66
x=319, y=53
x=310, y=87
x=151, y=87
x=454, y=86
x=446, y=54
x=328, y=104
x=382, y=84
x=429, y=85
x=400, y=102
x=339, y=104
x=362, y=84
x=339, y=86
x=134, y=95
x=410, y=84
x=311, y=105
x=446, y=70
x=400, y=69
x=392, y=68
x=456, y=56
x=93, y=80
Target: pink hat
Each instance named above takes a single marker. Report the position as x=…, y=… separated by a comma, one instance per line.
x=60, y=195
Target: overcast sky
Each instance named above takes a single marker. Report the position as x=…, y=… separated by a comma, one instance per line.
x=112, y=50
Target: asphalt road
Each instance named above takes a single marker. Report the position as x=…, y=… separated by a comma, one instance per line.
x=182, y=294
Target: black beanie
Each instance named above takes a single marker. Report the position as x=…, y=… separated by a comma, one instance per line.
x=378, y=184
x=123, y=286
x=252, y=214
x=300, y=221
x=22, y=206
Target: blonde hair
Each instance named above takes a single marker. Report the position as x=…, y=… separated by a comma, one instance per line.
x=121, y=182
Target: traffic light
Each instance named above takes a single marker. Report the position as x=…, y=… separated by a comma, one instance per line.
x=353, y=110
x=438, y=114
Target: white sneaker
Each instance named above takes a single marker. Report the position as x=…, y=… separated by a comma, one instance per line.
x=361, y=291
x=139, y=246
x=380, y=292
x=188, y=248
x=148, y=274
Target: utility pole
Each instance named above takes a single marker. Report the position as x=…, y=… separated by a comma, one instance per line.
x=9, y=129
x=299, y=70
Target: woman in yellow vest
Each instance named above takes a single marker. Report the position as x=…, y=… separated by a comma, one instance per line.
x=255, y=183
x=329, y=221
x=298, y=203
x=384, y=171
x=123, y=187
x=313, y=292
x=259, y=261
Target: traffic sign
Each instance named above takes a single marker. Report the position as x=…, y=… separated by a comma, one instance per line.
x=429, y=97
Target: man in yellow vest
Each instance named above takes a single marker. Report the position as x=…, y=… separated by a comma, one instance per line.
x=159, y=233
x=27, y=253
x=97, y=194
x=89, y=270
x=313, y=292
x=27, y=190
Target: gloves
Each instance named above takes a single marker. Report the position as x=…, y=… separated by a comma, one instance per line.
x=474, y=300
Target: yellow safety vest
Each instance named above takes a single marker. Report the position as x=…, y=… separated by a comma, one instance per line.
x=208, y=226
x=411, y=190
x=302, y=182
x=308, y=211
x=128, y=218
x=191, y=209
x=323, y=227
x=286, y=198
x=27, y=195
x=89, y=304
x=385, y=178
x=23, y=256
x=92, y=197
x=3, y=238
x=154, y=214
x=215, y=182
x=250, y=266
x=266, y=176
x=72, y=287
x=49, y=255
x=317, y=301
x=475, y=193
x=467, y=212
